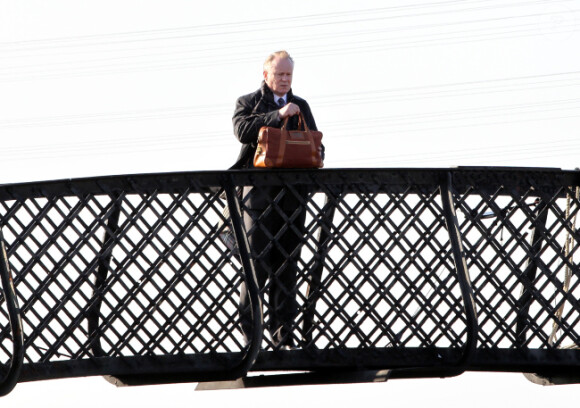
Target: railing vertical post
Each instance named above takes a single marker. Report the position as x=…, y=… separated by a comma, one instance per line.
x=529, y=274
x=12, y=374
x=250, y=279
x=104, y=260
x=461, y=271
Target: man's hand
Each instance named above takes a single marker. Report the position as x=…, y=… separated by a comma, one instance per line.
x=288, y=110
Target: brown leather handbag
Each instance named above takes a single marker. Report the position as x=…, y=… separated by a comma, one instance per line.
x=289, y=148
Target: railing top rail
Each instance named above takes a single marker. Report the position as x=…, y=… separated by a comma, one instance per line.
x=200, y=181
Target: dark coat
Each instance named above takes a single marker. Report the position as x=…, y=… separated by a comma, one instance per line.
x=259, y=109
x=252, y=112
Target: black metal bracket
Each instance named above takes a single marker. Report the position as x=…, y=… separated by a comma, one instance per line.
x=529, y=274
x=315, y=277
x=301, y=378
x=462, y=274
x=250, y=278
x=11, y=377
x=101, y=276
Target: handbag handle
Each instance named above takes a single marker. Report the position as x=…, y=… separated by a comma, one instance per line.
x=301, y=121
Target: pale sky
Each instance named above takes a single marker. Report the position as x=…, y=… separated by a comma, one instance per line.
x=91, y=88
x=107, y=87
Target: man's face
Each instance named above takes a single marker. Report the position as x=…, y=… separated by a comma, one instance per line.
x=279, y=76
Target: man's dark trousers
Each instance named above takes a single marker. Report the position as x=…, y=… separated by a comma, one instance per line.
x=275, y=236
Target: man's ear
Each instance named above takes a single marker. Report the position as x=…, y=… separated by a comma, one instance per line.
x=265, y=75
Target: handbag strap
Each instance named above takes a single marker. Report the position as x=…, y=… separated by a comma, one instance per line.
x=282, y=144
x=301, y=123
x=310, y=137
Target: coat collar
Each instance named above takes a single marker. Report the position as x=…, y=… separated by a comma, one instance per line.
x=268, y=95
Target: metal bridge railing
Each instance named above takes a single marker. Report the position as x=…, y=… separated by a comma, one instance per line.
x=410, y=269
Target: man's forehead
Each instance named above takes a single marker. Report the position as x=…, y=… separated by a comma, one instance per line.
x=279, y=64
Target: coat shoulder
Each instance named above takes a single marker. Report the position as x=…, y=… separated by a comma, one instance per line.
x=300, y=101
x=251, y=97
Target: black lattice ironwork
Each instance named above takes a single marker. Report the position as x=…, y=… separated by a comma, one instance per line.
x=434, y=269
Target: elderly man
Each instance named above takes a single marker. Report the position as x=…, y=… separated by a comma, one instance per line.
x=275, y=260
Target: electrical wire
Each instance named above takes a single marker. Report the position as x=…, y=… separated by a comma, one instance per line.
x=192, y=58
x=490, y=86
x=348, y=37
x=260, y=25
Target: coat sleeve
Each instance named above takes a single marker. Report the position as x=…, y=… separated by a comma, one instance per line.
x=248, y=120
x=309, y=118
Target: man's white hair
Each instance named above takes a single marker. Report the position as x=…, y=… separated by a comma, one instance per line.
x=274, y=55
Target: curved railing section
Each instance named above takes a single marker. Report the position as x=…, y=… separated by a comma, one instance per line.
x=463, y=277
x=418, y=271
x=12, y=373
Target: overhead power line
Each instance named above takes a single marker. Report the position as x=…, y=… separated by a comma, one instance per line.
x=350, y=39
x=352, y=16
x=391, y=126
x=489, y=86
